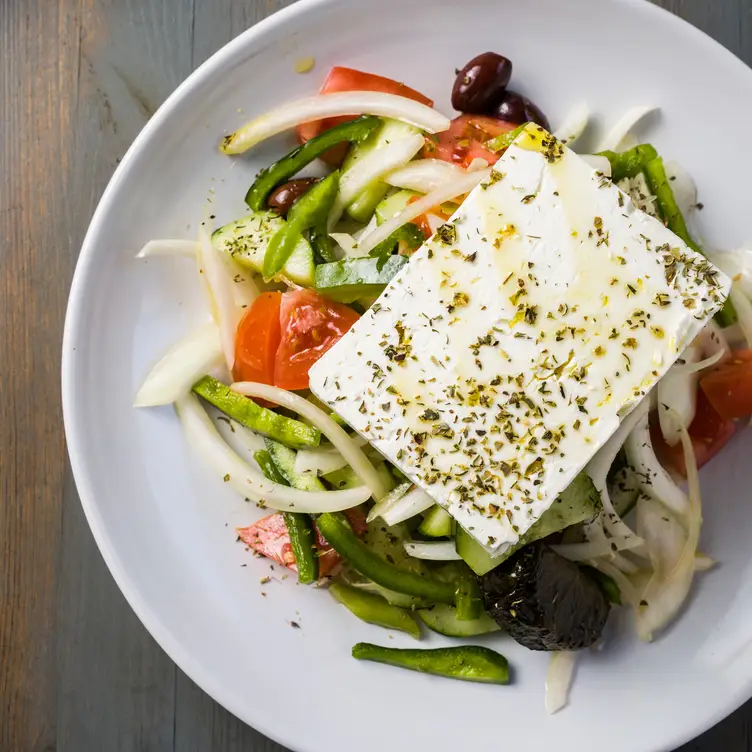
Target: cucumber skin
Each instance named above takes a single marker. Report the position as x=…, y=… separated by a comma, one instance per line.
x=437, y=523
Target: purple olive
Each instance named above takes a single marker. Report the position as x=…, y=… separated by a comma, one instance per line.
x=283, y=197
x=480, y=85
x=514, y=108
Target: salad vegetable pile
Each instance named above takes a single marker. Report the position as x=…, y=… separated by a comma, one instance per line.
x=310, y=260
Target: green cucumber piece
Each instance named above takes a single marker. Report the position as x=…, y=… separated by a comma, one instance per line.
x=284, y=460
x=347, y=280
x=437, y=523
x=374, y=609
x=579, y=502
x=247, y=239
x=394, y=204
x=443, y=619
x=364, y=205
x=346, y=477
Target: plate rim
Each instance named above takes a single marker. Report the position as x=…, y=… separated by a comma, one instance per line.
x=151, y=621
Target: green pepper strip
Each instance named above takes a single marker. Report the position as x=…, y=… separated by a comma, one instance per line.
x=409, y=234
x=468, y=663
x=467, y=589
x=299, y=525
x=297, y=159
x=607, y=584
x=342, y=539
x=322, y=245
x=629, y=163
x=374, y=609
x=504, y=140
x=310, y=210
x=287, y=431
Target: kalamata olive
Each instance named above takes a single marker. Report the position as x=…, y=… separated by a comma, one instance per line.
x=480, y=85
x=514, y=108
x=283, y=197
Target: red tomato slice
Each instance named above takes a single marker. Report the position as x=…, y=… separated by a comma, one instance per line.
x=709, y=433
x=269, y=538
x=349, y=79
x=311, y=324
x=729, y=386
x=257, y=340
x=423, y=222
x=465, y=139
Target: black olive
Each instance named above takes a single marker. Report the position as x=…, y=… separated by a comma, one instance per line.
x=480, y=85
x=283, y=197
x=514, y=108
x=544, y=601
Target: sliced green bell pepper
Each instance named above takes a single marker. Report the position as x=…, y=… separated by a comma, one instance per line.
x=354, y=278
x=297, y=159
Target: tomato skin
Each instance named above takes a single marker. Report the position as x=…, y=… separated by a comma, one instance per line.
x=709, y=433
x=269, y=538
x=257, y=340
x=465, y=139
x=310, y=325
x=349, y=79
x=729, y=386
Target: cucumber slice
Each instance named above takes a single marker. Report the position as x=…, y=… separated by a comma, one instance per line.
x=394, y=204
x=346, y=478
x=247, y=239
x=364, y=205
x=284, y=459
x=443, y=619
x=350, y=279
x=437, y=523
x=579, y=502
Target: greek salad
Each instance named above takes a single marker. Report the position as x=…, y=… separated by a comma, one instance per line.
x=466, y=374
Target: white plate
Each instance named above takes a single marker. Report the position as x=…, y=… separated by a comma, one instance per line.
x=165, y=527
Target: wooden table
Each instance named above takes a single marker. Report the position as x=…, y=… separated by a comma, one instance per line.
x=78, y=80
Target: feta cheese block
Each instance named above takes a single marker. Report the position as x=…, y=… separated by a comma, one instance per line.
x=506, y=353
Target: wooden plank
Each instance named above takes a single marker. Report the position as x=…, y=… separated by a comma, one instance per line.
x=116, y=687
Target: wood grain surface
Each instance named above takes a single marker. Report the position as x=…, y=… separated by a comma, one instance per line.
x=78, y=80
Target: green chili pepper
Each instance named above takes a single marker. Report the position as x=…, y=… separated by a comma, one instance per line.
x=607, y=584
x=503, y=140
x=297, y=159
x=342, y=539
x=660, y=187
x=322, y=245
x=469, y=599
x=409, y=234
x=374, y=609
x=311, y=210
x=468, y=663
x=299, y=525
x=288, y=431
x=629, y=163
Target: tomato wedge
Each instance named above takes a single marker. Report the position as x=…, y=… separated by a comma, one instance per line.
x=257, y=340
x=269, y=538
x=729, y=386
x=349, y=79
x=465, y=140
x=310, y=325
x=709, y=433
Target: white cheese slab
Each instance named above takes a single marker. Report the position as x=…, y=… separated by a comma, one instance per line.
x=505, y=354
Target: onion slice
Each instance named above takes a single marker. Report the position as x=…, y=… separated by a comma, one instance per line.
x=432, y=550
x=181, y=367
x=744, y=311
x=218, y=283
x=597, y=548
x=665, y=596
x=614, y=139
x=347, y=447
x=411, y=504
x=388, y=501
x=203, y=436
x=169, y=247
x=559, y=679
x=323, y=106
x=677, y=395
x=655, y=482
x=463, y=184
x=574, y=124
x=323, y=460
x=424, y=175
